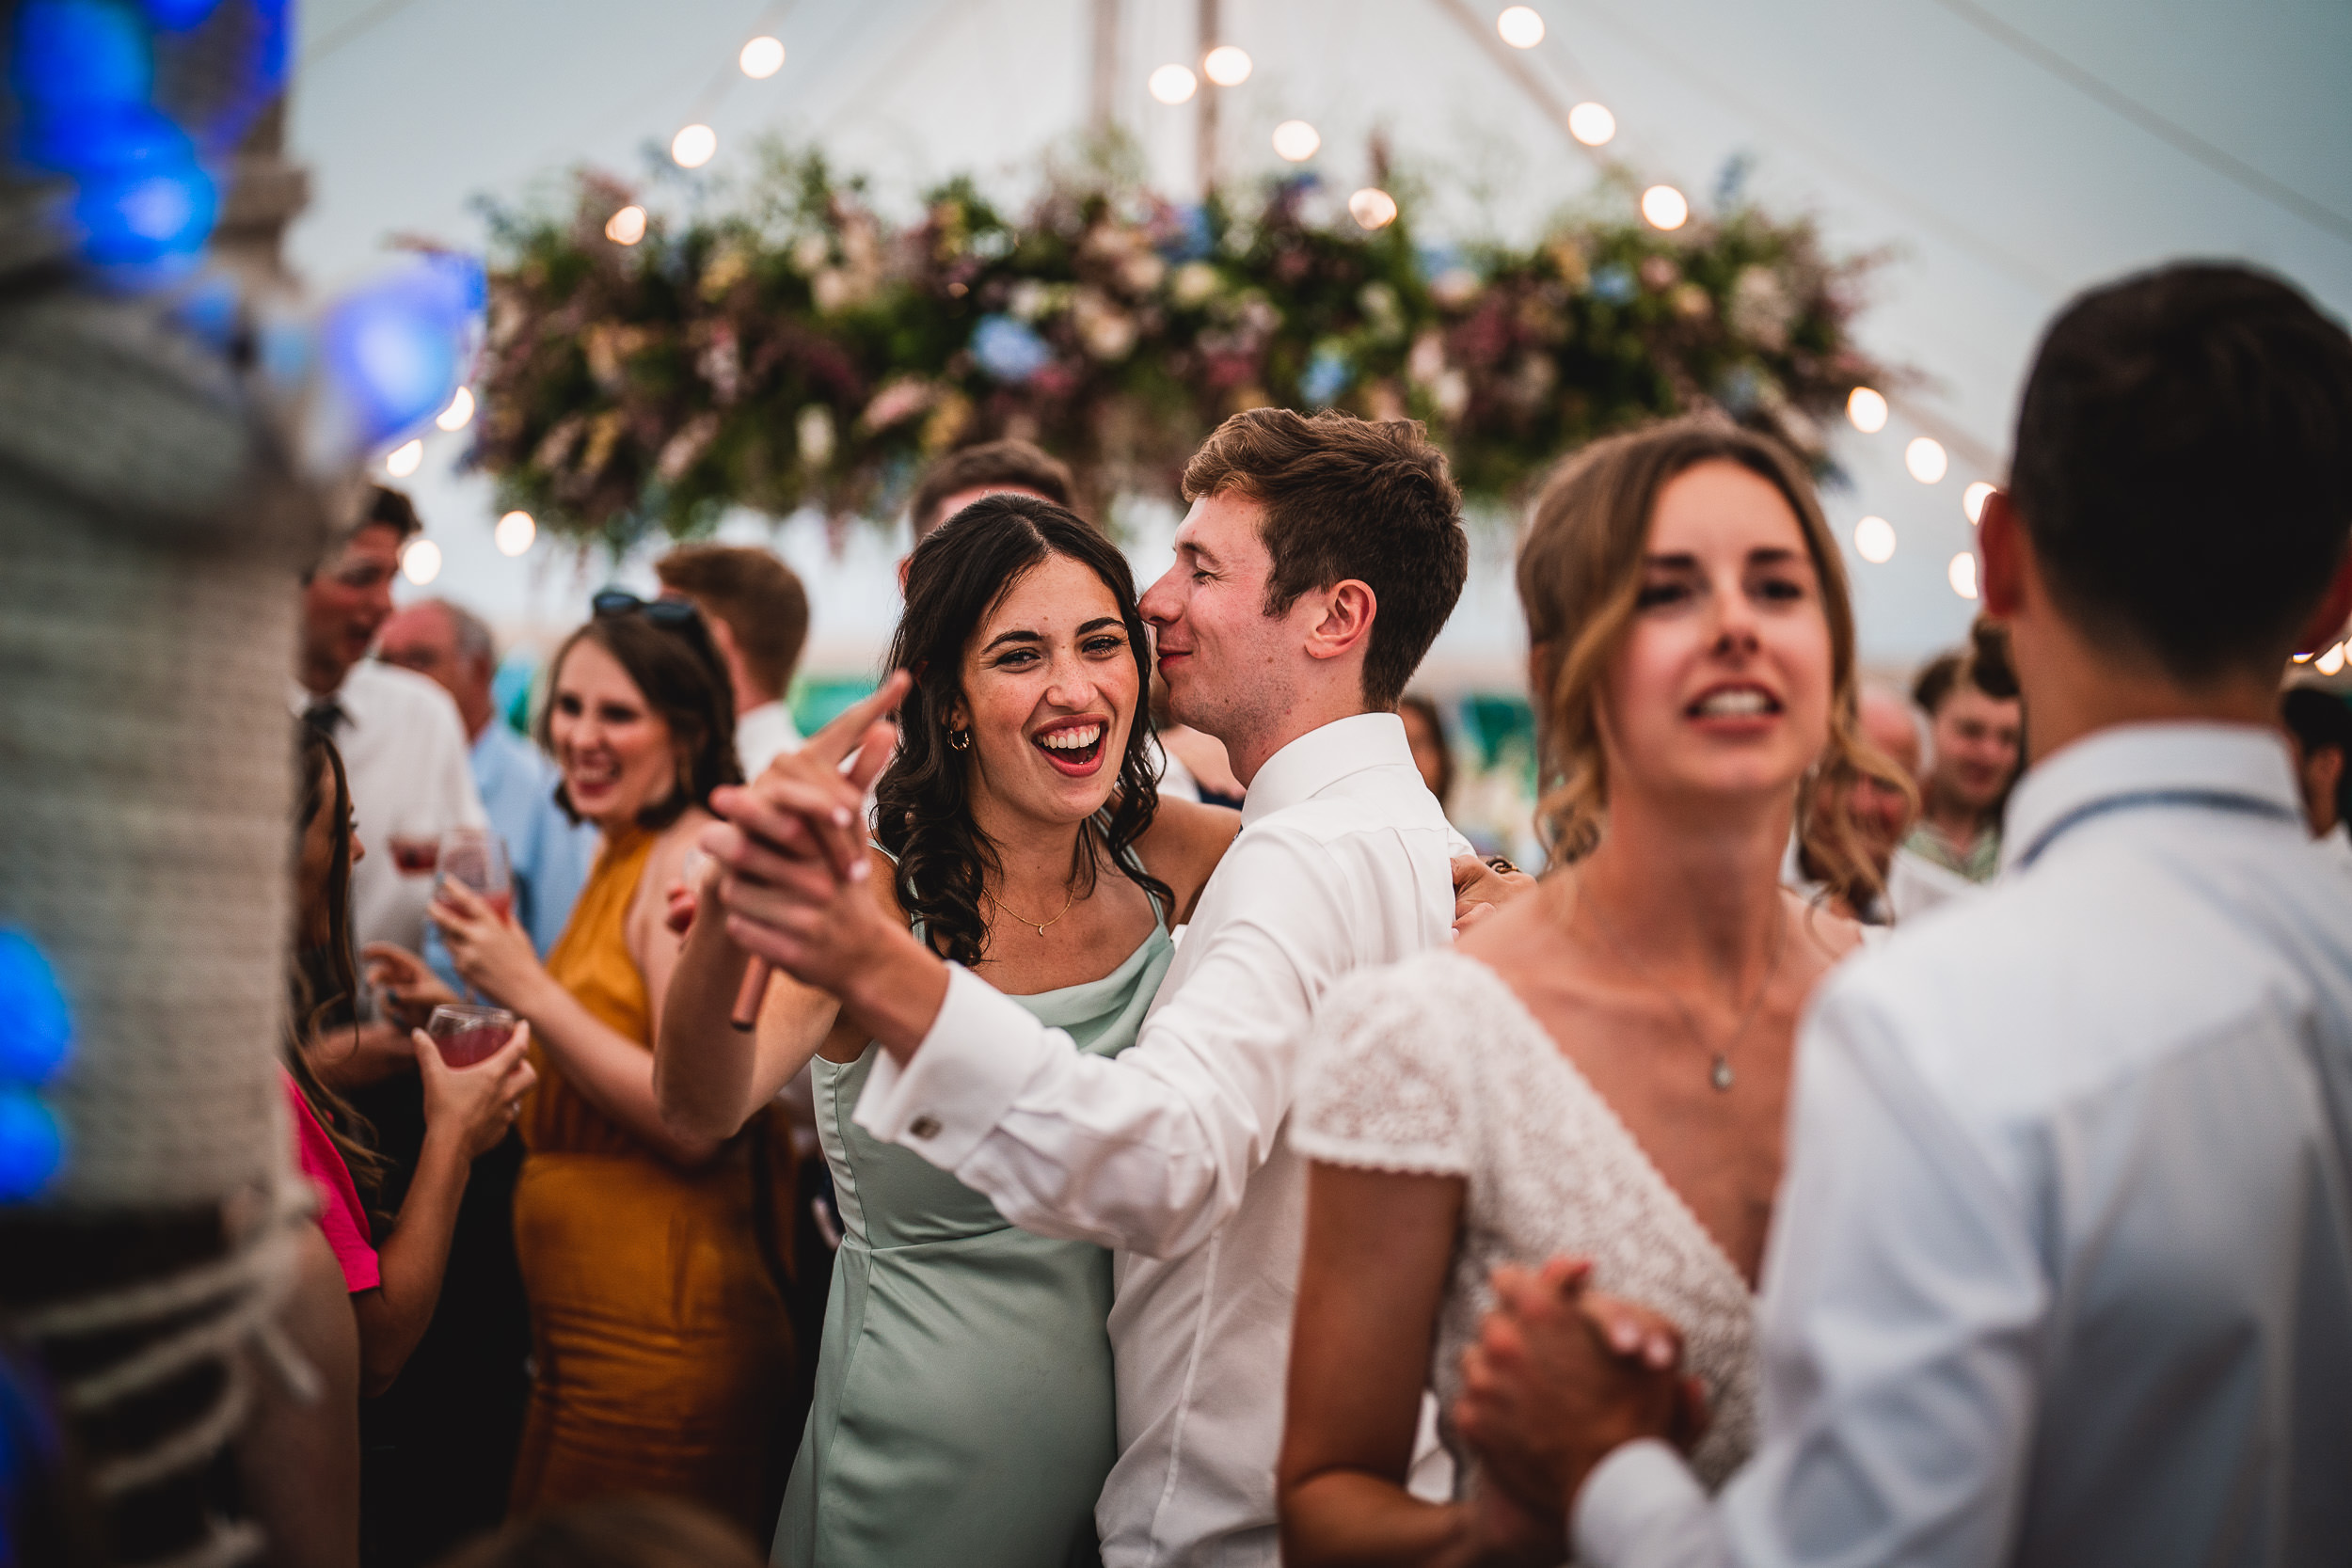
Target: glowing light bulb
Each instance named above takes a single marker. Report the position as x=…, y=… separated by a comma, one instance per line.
x=1926, y=460
x=2330, y=662
x=1520, y=27
x=625, y=227
x=1371, y=208
x=1972, y=501
x=694, y=147
x=515, y=532
x=1866, y=409
x=1874, y=540
x=1227, y=66
x=460, y=411
x=403, y=459
x=421, y=562
x=1962, y=573
x=761, y=59
x=1173, y=84
x=1296, y=140
x=1591, y=125
x=1666, y=207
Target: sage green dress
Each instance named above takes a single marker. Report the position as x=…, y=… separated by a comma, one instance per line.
x=962, y=1416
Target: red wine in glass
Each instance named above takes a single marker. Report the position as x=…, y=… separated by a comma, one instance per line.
x=415, y=856
x=465, y=1035
x=475, y=859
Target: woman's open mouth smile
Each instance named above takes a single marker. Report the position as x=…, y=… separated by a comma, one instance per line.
x=1074, y=746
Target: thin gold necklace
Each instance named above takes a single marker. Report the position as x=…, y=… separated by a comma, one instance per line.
x=1025, y=920
x=1720, y=1074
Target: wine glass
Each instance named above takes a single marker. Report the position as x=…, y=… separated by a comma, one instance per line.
x=465, y=1035
x=475, y=859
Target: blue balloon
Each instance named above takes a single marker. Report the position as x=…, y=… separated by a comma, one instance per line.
x=1008, y=349
x=35, y=1027
x=32, y=1146
x=70, y=56
x=394, y=348
x=178, y=16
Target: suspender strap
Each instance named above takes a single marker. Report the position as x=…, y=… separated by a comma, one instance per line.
x=2192, y=800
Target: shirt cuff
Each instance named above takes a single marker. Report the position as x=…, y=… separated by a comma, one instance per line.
x=982, y=1050
x=1641, y=1493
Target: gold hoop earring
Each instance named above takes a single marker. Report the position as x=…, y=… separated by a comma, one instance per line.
x=959, y=741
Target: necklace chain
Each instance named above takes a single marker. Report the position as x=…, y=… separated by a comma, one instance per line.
x=1719, y=1074
x=1037, y=926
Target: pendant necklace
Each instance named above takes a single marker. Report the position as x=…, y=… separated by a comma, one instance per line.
x=1039, y=928
x=1720, y=1074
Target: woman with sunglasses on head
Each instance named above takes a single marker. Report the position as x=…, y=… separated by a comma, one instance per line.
x=963, y=1410
x=661, y=1346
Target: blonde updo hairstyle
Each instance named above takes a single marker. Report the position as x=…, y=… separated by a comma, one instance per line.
x=1579, y=574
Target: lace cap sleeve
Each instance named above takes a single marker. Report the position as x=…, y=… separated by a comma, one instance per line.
x=1383, y=1081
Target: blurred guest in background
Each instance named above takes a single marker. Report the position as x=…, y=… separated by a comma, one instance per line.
x=1976, y=738
x=1010, y=467
x=400, y=735
x=1433, y=750
x=547, y=853
x=664, y=1354
x=1879, y=811
x=2319, y=726
x=757, y=614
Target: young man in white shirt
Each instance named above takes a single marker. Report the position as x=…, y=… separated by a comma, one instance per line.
x=1319, y=561
x=757, y=614
x=404, y=746
x=2061, y=1272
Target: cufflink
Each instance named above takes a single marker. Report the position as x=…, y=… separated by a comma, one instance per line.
x=924, y=1127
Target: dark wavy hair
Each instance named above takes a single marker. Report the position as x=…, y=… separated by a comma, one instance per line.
x=960, y=572
x=678, y=670
x=323, y=983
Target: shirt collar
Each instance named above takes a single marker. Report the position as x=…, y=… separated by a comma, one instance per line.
x=2187, y=758
x=1322, y=758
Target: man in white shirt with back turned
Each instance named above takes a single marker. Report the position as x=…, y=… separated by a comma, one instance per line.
x=1320, y=558
x=2061, y=1273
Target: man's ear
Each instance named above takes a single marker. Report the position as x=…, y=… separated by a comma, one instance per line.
x=2327, y=624
x=1345, y=624
x=2001, y=549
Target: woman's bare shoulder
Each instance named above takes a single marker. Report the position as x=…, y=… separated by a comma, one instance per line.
x=1185, y=843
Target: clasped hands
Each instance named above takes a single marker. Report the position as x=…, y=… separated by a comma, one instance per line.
x=1559, y=1376
x=792, y=869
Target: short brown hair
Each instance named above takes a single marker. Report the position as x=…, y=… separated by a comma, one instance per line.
x=1580, y=577
x=760, y=597
x=1348, y=498
x=389, y=508
x=1984, y=665
x=1017, y=465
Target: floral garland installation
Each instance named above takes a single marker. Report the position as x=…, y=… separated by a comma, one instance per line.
x=800, y=350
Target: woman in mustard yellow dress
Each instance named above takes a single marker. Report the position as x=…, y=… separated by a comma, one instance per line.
x=662, y=1351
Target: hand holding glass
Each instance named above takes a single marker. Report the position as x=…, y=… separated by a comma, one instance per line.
x=475, y=859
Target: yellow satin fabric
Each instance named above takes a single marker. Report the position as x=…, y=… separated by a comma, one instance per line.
x=663, y=1353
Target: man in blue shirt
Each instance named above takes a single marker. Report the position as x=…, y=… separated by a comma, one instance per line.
x=551, y=854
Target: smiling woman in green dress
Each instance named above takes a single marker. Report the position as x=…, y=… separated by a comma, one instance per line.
x=962, y=1411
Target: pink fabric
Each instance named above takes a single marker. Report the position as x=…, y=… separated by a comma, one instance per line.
x=341, y=1214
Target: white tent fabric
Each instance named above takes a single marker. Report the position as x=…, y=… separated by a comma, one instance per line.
x=2009, y=153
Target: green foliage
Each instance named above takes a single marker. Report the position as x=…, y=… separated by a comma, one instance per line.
x=799, y=350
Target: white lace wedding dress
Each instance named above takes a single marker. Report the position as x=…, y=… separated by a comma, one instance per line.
x=1434, y=1067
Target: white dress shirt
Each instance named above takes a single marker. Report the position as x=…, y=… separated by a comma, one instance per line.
x=1172, y=1153
x=2063, y=1268
x=405, y=753
x=764, y=734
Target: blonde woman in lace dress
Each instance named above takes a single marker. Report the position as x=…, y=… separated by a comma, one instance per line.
x=1600, y=1068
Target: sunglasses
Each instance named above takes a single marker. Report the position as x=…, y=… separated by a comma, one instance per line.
x=669, y=615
